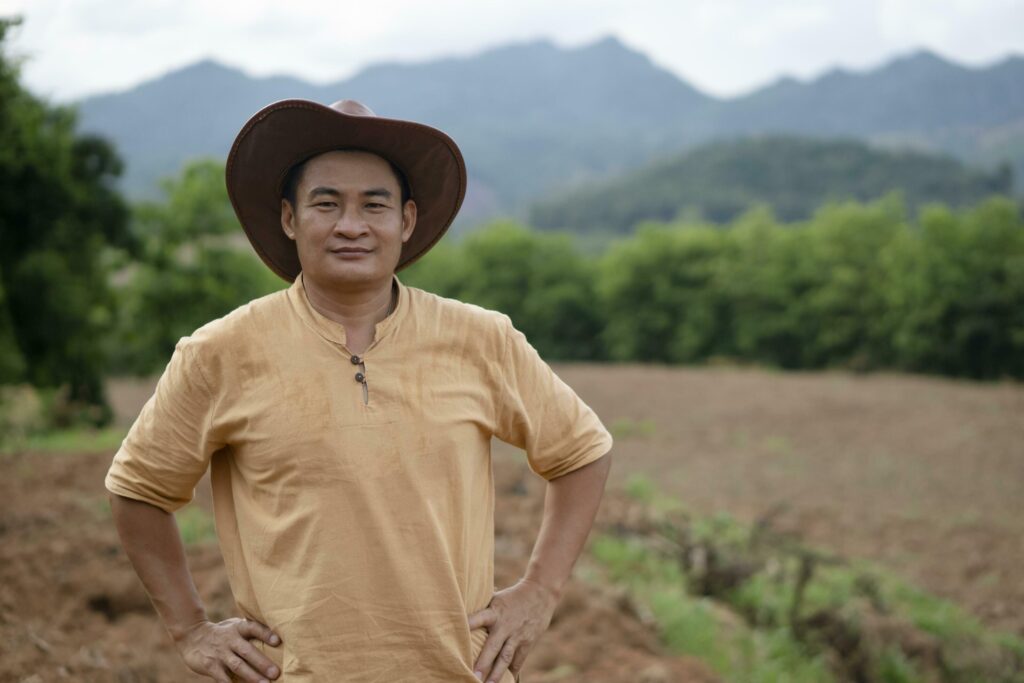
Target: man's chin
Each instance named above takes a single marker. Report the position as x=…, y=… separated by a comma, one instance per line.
x=352, y=273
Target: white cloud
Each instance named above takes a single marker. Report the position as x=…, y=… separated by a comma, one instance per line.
x=722, y=46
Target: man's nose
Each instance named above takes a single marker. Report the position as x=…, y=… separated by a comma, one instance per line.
x=350, y=223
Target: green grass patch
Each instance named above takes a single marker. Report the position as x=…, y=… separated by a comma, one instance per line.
x=641, y=488
x=195, y=525
x=894, y=667
x=721, y=529
x=755, y=629
x=694, y=626
x=933, y=615
x=628, y=428
x=67, y=441
x=630, y=563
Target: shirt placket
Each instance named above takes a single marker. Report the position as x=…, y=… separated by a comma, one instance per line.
x=357, y=363
x=361, y=377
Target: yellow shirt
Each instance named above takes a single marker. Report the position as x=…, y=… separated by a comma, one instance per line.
x=355, y=519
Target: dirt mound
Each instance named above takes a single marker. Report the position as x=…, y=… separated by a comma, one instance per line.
x=71, y=608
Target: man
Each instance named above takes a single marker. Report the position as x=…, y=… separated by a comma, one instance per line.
x=346, y=422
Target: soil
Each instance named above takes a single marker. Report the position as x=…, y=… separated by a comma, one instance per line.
x=71, y=608
x=924, y=475
x=921, y=474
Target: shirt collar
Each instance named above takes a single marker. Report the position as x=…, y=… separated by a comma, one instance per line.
x=334, y=331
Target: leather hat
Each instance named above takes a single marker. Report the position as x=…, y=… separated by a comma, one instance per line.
x=285, y=133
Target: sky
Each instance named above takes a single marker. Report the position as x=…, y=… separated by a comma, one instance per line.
x=75, y=48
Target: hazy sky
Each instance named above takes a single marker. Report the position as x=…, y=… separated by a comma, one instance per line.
x=724, y=47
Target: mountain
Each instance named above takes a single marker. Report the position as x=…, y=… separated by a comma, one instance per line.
x=917, y=93
x=534, y=118
x=918, y=100
x=528, y=117
x=794, y=176
x=187, y=113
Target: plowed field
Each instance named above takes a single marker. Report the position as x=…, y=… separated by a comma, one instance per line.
x=925, y=475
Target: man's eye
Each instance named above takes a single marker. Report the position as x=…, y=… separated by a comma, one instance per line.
x=325, y=204
x=374, y=205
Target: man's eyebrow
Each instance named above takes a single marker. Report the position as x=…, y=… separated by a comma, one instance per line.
x=330, y=191
x=317, y=191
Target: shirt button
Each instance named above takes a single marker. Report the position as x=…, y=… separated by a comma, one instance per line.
x=360, y=377
x=356, y=360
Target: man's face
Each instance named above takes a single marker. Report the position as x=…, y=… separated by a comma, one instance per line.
x=348, y=222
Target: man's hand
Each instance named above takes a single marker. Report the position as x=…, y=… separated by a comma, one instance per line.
x=515, y=618
x=223, y=649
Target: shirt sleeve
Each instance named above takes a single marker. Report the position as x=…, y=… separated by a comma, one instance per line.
x=168, y=448
x=541, y=414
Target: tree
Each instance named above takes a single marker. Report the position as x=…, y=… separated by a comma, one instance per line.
x=59, y=212
x=539, y=280
x=662, y=295
x=192, y=265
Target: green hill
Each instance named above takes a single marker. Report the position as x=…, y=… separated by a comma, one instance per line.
x=793, y=175
x=528, y=116
x=534, y=118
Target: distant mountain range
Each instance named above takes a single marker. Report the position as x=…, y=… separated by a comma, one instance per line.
x=533, y=118
x=793, y=175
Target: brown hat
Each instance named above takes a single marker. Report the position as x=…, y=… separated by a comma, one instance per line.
x=284, y=133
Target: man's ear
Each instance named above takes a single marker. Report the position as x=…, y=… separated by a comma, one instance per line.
x=408, y=220
x=288, y=219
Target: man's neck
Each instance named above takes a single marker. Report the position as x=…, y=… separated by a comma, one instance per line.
x=358, y=309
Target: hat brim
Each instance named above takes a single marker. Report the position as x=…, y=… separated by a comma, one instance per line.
x=287, y=132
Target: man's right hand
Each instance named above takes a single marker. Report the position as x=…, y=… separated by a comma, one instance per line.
x=220, y=650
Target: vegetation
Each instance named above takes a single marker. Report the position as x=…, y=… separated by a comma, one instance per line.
x=195, y=525
x=794, y=176
x=533, y=118
x=757, y=258
x=857, y=286
x=58, y=213
x=626, y=428
x=44, y=420
x=541, y=281
x=192, y=265
x=759, y=606
x=90, y=286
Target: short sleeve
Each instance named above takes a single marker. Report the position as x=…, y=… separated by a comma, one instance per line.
x=168, y=448
x=538, y=412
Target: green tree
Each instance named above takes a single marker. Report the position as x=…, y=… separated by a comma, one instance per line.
x=763, y=280
x=957, y=306
x=661, y=294
x=193, y=265
x=843, y=310
x=539, y=280
x=58, y=214
x=439, y=271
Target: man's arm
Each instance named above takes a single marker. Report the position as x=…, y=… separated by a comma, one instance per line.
x=517, y=616
x=570, y=506
x=153, y=544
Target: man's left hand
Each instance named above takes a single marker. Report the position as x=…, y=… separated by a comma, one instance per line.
x=515, y=618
